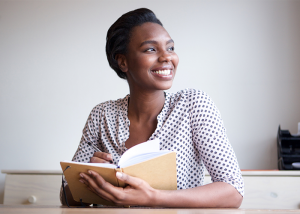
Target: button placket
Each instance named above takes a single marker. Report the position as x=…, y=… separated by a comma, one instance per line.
x=124, y=114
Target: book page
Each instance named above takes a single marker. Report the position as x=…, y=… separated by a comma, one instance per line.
x=151, y=146
x=104, y=165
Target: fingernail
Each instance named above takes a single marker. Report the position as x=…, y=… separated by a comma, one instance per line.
x=90, y=172
x=119, y=175
x=81, y=181
x=108, y=156
x=81, y=175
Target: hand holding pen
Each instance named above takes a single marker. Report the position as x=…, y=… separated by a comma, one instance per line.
x=100, y=157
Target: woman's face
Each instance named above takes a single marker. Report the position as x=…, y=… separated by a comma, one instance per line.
x=150, y=60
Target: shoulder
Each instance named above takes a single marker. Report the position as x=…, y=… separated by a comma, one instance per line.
x=111, y=106
x=190, y=97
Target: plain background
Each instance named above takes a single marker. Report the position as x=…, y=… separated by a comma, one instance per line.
x=53, y=71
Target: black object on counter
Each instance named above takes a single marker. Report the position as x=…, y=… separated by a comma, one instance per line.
x=288, y=147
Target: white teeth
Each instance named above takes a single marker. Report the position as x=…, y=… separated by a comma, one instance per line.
x=163, y=72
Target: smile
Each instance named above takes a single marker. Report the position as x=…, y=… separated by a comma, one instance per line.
x=163, y=72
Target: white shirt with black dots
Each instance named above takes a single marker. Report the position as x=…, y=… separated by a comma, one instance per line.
x=189, y=124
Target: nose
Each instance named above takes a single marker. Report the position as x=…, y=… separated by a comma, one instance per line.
x=165, y=57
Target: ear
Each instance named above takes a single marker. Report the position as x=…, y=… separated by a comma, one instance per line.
x=122, y=62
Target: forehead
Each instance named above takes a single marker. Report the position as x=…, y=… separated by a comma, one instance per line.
x=148, y=31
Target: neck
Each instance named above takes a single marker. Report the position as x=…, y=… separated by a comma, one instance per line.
x=144, y=106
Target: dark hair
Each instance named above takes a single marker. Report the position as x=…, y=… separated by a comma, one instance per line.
x=118, y=35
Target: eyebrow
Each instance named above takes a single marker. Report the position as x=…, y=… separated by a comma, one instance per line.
x=154, y=42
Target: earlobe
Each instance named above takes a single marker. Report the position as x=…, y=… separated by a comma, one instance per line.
x=122, y=62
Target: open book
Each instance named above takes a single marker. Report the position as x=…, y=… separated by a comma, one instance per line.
x=145, y=161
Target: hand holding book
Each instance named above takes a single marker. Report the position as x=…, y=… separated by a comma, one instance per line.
x=137, y=191
x=144, y=165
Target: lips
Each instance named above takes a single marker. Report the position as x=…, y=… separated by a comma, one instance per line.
x=163, y=72
x=165, y=75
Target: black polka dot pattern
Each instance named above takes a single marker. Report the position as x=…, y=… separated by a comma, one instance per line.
x=189, y=124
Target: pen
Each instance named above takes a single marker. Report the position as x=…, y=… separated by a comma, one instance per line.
x=97, y=149
x=92, y=145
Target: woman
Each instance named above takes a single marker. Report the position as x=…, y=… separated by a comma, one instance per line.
x=141, y=51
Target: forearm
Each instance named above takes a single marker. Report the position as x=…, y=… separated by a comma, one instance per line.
x=218, y=194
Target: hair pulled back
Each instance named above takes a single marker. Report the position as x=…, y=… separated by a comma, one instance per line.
x=118, y=35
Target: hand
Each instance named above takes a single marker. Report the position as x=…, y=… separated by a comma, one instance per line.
x=137, y=192
x=101, y=157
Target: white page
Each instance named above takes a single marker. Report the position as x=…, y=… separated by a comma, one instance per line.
x=146, y=147
x=104, y=165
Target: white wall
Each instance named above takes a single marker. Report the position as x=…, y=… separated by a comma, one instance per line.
x=53, y=70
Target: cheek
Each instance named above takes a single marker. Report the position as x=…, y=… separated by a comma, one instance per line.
x=140, y=63
x=175, y=59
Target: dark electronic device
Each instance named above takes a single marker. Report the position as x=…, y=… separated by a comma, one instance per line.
x=288, y=147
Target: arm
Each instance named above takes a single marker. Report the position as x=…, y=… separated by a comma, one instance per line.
x=218, y=194
x=215, y=150
x=138, y=192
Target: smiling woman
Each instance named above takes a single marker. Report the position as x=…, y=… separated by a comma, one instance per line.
x=141, y=51
x=150, y=60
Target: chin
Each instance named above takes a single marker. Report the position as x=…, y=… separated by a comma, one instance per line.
x=165, y=86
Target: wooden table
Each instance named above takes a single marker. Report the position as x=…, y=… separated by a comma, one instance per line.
x=263, y=189
x=16, y=209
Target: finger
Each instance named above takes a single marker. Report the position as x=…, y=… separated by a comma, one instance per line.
x=103, y=155
x=96, y=182
x=132, y=181
x=116, y=193
x=98, y=160
x=94, y=191
x=89, y=187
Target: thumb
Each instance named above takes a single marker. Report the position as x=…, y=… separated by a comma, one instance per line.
x=132, y=181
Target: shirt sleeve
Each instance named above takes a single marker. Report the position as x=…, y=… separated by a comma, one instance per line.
x=89, y=135
x=212, y=142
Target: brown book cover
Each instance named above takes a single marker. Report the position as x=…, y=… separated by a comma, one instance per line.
x=160, y=172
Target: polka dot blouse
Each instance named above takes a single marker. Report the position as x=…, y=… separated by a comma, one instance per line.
x=189, y=124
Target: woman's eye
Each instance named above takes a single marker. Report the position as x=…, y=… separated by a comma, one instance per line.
x=171, y=49
x=150, y=50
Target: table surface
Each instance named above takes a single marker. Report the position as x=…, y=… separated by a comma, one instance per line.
x=16, y=209
x=244, y=172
